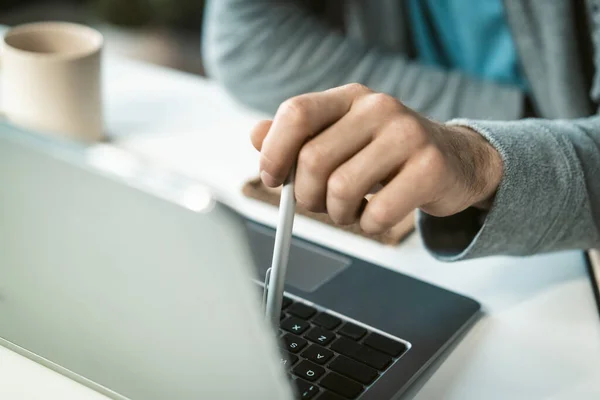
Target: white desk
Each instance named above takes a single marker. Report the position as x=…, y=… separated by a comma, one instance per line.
x=539, y=337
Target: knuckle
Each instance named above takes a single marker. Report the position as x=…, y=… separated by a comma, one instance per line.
x=358, y=88
x=393, y=136
x=311, y=158
x=431, y=160
x=296, y=110
x=383, y=103
x=403, y=131
x=412, y=129
x=339, y=186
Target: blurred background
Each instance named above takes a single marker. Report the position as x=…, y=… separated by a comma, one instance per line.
x=163, y=32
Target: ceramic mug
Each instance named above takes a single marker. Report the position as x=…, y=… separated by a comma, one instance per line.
x=51, y=79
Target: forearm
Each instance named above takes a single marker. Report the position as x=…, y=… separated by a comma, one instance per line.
x=548, y=199
x=266, y=51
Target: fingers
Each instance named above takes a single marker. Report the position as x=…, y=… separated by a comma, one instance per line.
x=352, y=181
x=348, y=141
x=338, y=143
x=414, y=186
x=259, y=133
x=295, y=122
x=323, y=154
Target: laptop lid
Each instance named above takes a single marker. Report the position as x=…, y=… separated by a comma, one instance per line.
x=130, y=280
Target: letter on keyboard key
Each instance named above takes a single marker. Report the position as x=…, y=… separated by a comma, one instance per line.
x=317, y=354
x=301, y=310
x=305, y=390
x=353, y=369
x=308, y=370
x=320, y=335
x=342, y=386
x=293, y=343
x=294, y=325
x=387, y=345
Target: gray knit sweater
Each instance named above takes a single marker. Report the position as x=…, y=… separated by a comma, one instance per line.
x=265, y=51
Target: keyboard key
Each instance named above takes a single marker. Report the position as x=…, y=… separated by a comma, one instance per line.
x=353, y=369
x=301, y=310
x=373, y=358
x=305, y=390
x=342, y=386
x=361, y=353
x=286, y=302
x=320, y=335
x=329, y=396
x=387, y=345
x=345, y=346
x=308, y=370
x=293, y=343
x=326, y=321
x=317, y=354
x=352, y=331
x=287, y=360
x=295, y=325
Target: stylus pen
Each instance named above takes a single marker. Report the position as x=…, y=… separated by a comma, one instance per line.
x=281, y=250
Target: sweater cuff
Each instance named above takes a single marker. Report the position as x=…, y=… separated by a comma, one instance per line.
x=538, y=186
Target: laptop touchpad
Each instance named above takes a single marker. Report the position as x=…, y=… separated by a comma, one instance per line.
x=309, y=266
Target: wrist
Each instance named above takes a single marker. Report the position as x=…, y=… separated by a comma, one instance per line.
x=488, y=169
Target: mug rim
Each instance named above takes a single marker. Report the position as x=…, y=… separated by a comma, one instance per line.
x=96, y=39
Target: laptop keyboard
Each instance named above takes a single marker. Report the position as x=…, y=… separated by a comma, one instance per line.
x=330, y=358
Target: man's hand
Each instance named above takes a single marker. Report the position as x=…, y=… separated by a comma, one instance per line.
x=350, y=141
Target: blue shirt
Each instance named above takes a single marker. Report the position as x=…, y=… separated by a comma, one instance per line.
x=471, y=36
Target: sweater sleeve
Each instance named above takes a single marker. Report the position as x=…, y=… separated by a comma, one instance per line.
x=548, y=199
x=266, y=51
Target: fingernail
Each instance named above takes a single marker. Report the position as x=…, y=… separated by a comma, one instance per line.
x=268, y=179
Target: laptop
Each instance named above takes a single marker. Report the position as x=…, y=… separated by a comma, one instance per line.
x=593, y=268
x=140, y=284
